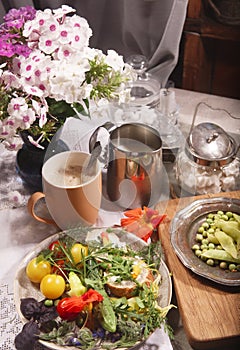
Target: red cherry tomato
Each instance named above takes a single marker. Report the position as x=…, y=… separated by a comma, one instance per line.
x=56, y=248
x=59, y=268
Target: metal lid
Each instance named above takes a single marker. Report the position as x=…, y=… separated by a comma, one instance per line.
x=209, y=142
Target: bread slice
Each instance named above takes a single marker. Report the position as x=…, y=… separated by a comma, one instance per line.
x=141, y=275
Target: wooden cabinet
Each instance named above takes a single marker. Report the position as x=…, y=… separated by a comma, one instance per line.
x=209, y=59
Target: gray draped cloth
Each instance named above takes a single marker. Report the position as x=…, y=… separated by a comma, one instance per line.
x=152, y=28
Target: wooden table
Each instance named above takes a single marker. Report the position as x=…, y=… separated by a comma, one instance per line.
x=210, y=312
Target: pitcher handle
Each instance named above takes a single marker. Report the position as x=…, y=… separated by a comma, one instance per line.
x=109, y=126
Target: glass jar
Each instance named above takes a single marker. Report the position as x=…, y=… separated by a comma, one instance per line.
x=208, y=163
x=199, y=179
x=144, y=96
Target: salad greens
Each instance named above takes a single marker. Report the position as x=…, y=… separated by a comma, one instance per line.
x=110, y=320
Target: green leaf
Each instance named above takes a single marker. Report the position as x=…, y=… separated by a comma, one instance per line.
x=60, y=109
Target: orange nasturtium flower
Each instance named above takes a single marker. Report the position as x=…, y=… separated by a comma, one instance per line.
x=69, y=308
x=141, y=221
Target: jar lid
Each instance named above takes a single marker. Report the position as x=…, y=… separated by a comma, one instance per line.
x=210, y=142
x=145, y=90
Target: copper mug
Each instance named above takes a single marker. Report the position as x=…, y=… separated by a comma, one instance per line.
x=134, y=164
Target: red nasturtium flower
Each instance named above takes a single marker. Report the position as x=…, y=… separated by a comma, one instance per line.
x=141, y=221
x=69, y=308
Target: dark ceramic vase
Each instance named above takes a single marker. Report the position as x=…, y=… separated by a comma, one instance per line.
x=30, y=160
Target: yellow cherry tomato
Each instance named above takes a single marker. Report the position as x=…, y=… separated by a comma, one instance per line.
x=78, y=251
x=52, y=286
x=37, y=270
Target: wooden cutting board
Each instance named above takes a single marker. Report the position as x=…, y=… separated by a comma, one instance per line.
x=210, y=312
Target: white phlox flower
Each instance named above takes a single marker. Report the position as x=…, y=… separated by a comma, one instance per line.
x=114, y=60
x=36, y=91
x=36, y=143
x=25, y=118
x=43, y=116
x=92, y=53
x=64, y=10
x=81, y=32
x=63, y=52
x=11, y=144
x=11, y=80
x=66, y=80
x=35, y=71
x=8, y=128
x=32, y=29
x=3, y=65
x=47, y=45
x=36, y=60
x=16, y=106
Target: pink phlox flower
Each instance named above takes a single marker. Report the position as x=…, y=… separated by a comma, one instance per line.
x=8, y=36
x=6, y=49
x=25, y=13
x=22, y=50
x=15, y=24
x=10, y=45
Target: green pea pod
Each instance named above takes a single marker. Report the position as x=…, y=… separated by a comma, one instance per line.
x=231, y=229
x=219, y=255
x=212, y=238
x=236, y=217
x=109, y=322
x=227, y=243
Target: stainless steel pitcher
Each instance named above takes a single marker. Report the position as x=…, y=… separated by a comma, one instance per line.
x=134, y=164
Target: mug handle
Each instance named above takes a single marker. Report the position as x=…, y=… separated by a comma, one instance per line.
x=35, y=197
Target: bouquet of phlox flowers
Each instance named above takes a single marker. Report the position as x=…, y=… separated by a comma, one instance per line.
x=48, y=72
